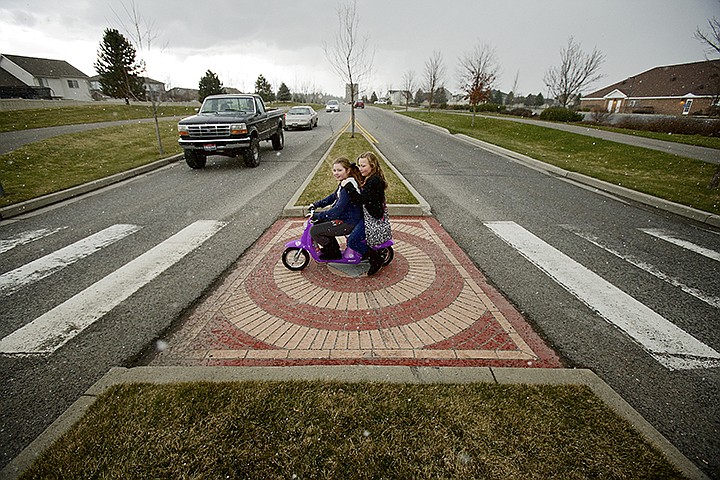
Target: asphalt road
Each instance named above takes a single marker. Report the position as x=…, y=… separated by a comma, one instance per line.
x=488, y=203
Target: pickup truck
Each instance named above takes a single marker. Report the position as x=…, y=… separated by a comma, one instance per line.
x=232, y=125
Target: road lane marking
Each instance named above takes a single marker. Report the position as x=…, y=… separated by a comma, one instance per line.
x=26, y=237
x=674, y=348
x=658, y=233
x=56, y=327
x=711, y=300
x=13, y=280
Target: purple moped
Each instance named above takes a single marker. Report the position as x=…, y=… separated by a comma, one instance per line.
x=298, y=252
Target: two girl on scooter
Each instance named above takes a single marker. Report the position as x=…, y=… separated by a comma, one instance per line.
x=342, y=218
x=346, y=215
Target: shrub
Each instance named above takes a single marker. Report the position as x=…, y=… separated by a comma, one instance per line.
x=520, y=112
x=559, y=114
x=672, y=124
x=600, y=116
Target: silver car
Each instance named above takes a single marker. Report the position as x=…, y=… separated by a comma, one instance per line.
x=301, y=117
x=332, y=106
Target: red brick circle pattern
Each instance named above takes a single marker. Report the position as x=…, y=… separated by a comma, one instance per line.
x=442, y=291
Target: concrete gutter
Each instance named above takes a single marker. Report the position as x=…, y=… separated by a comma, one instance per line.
x=30, y=205
x=353, y=373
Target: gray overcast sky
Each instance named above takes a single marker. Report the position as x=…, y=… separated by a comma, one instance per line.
x=284, y=40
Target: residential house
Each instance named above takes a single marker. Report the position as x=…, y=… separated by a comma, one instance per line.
x=62, y=79
x=689, y=88
x=154, y=87
x=178, y=94
x=397, y=97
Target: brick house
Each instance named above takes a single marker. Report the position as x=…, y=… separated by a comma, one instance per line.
x=689, y=88
x=59, y=77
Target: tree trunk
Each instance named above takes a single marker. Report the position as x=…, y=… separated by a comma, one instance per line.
x=715, y=182
x=157, y=134
x=352, y=119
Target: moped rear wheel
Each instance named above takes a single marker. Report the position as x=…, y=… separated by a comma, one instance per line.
x=295, y=258
x=387, y=255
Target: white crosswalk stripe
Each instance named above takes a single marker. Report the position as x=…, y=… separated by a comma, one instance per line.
x=52, y=330
x=711, y=300
x=671, y=346
x=26, y=237
x=43, y=267
x=662, y=235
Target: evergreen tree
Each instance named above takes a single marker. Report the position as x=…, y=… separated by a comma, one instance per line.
x=420, y=96
x=284, y=94
x=119, y=72
x=540, y=100
x=264, y=89
x=210, y=84
x=373, y=97
x=440, y=96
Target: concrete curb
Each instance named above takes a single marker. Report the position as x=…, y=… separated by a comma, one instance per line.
x=354, y=373
x=36, y=203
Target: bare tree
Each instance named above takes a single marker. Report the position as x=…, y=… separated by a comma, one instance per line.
x=408, y=85
x=577, y=69
x=477, y=72
x=711, y=41
x=350, y=56
x=142, y=35
x=434, y=75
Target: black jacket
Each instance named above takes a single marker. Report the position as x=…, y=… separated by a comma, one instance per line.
x=372, y=195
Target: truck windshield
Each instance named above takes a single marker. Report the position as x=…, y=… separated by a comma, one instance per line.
x=228, y=105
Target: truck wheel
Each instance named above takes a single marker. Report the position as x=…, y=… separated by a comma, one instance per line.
x=252, y=153
x=195, y=159
x=278, y=140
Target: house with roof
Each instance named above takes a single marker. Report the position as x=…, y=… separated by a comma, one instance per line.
x=62, y=80
x=689, y=88
x=152, y=87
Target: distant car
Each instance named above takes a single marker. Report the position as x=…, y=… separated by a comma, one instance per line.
x=332, y=106
x=359, y=104
x=301, y=117
x=381, y=102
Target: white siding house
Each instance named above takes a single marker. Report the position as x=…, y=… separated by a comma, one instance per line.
x=64, y=81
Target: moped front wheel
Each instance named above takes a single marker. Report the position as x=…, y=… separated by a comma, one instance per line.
x=295, y=258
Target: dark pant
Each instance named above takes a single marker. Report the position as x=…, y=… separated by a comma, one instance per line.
x=324, y=233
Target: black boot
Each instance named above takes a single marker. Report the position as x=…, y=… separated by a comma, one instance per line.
x=376, y=261
x=331, y=252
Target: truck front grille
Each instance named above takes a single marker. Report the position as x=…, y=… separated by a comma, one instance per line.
x=208, y=131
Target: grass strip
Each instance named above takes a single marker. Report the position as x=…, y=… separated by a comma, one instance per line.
x=323, y=183
x=66, y=161
x=678, y=179
x=56, y=116
x=363, y=430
